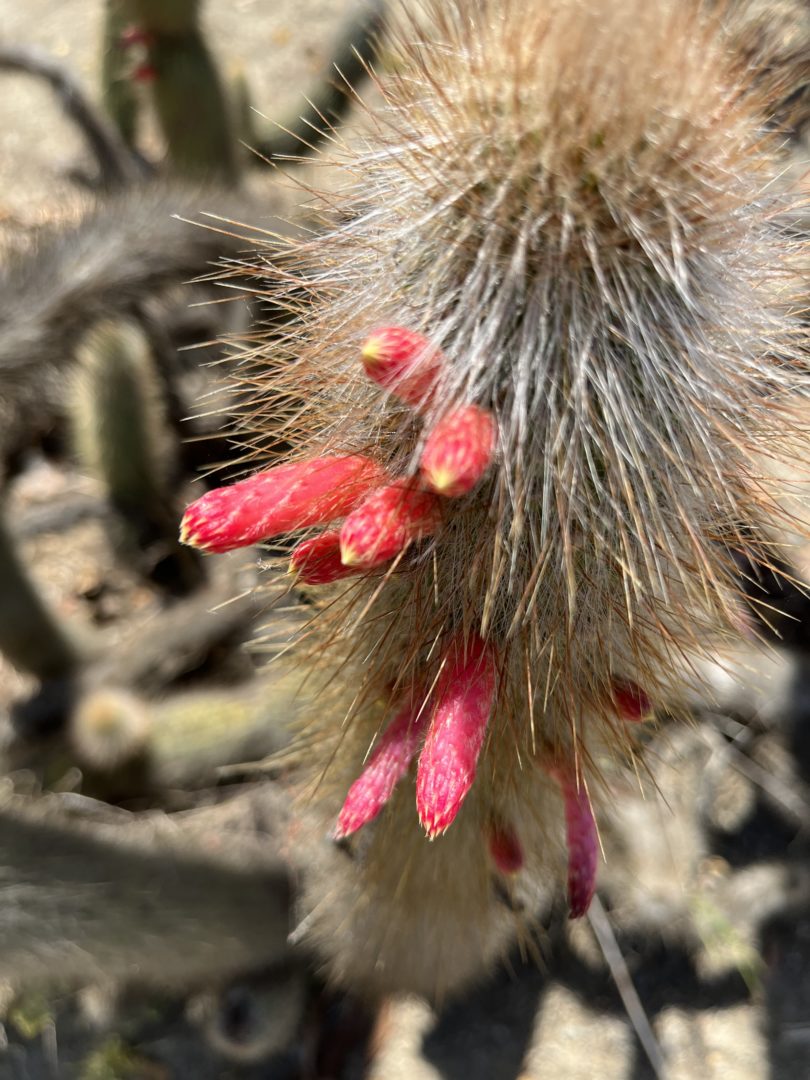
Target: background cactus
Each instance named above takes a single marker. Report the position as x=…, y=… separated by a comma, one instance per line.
x=123, y=438
x=31, y=636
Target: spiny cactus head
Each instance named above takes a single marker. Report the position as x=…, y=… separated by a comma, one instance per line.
x=573, y=209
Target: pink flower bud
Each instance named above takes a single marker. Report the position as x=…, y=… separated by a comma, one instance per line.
x=505, y=848
x=317, y=561
x=386, y=522
x=387, y=765
x=132, y=36
x=284, y=498
x=583, y=843
x=632, y=704
x=458, y=451
x=403, y=362
x=465, y=695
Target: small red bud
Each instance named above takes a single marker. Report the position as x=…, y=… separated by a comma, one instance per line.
x=505, y=848
x=458, y=451
x=386, y=522
x=144, y=73
x=284, y=498
x=404, y=362
x=632, y=704
x=317, y=561
x=465, y=695
x=387, y=765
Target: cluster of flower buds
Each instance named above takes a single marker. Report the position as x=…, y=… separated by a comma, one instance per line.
x=382, y=515
x=442, y=727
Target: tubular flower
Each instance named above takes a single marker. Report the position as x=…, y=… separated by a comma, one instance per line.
x=464, y=699
x=278, y=501
x=387, y=765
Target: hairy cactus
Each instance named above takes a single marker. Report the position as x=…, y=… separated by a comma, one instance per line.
x=563, y=269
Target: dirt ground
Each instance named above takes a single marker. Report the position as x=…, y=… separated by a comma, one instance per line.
x=705, y=894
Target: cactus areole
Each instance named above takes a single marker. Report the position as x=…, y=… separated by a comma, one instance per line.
x=551, y=339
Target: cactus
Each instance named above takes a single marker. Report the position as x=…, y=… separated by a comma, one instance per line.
x=572, y=209
x=30, y=635
x=157, y=902
x=184, y=740
x=117, y=92
x=123, y=438
x=187, y=91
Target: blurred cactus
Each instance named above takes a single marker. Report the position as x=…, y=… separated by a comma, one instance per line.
x=122, y=437
x=30, y=635
x=183, y=740
x=118, y=94
x=166, y=903
x=187, y=91
x=202, y=122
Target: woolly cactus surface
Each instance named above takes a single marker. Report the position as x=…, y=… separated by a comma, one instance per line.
x=555, y=308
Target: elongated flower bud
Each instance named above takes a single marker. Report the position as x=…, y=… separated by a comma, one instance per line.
x=403, y=362
x=387, y=765
x=505, y=848
x=465, y=696
x=386, y=522
x=317, y=561
x=271, y=503
x=458, y=451
x=583, y=842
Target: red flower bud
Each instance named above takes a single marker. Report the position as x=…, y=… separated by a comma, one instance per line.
x=317, y=561
x=144, y=73
x=387, y=765
x=505, y=848
x=284, y=498
x=632, y=704
x=386, y=522
x=583, y=842
x=458, y=451
x=465, y=695
x=403, y=362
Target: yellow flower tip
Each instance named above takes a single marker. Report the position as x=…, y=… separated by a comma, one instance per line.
x=442, y=481
x=191, y=538
x=371, y=353
x=350, y=556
